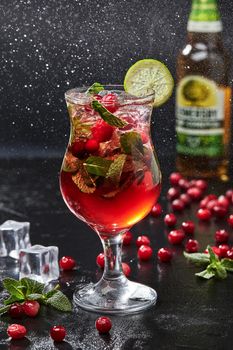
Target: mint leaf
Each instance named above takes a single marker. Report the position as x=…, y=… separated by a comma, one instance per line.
x=4, y=309
x=227, y=264
x=97, y=165
x=60, y=302
x=220, y=271
x=35, y=296
x=32, y=286
x=198, y=258
x=213, y=257
x=108, y=117
x=95, y=89
x=13, y=287
x=84, y=181
x=115, y=169
x=205, y=274
x=52, y=292
x=12, y=299
x=70, y=163
x=131, y=142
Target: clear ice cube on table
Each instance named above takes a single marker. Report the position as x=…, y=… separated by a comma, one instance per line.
x=39, y=263
x=14, y=235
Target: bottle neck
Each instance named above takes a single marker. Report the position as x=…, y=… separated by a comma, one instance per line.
x=204, y=17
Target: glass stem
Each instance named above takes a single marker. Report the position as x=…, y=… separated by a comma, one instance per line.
x=112, y=252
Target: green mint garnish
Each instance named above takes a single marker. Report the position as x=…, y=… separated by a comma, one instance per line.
x=108, y=117
x=28, y=289
x=215, y=267
x=95, y=89
x=84, y=181
x=97, y=165
x=131, y=142
x=116, y=168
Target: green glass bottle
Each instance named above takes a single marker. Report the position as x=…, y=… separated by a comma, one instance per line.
x=203, y=96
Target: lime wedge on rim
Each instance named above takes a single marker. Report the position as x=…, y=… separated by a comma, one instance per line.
x=146, y=76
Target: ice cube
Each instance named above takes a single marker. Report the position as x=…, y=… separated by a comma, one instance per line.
x=39, y=263
x=14, y=236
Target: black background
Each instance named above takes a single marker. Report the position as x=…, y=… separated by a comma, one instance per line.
x=50, y=46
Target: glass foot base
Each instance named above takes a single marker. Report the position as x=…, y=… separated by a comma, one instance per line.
x=119, y=296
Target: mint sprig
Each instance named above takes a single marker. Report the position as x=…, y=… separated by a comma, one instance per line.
x=95, y=89
x=214, y=267
x=97, y=165
x=107, y=116
x=28, y=289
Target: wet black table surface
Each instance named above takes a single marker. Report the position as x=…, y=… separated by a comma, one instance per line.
x=190, y=313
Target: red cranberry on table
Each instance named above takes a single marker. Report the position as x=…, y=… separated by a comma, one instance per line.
x=215, y=249
x=219, y=211
x=67, y=263
x=204, y=214
x=156, y=211
x=184, y=184
x=202, y=184
x=100, y=260
x=16, y=331
x=212, y=203
x=145, y=252
x=16, y=310
x=173, y=193
x=229, y=254
x=223, y=201
x=170, y=220
x=221, y=236
x=177, y=205
x=102, y=131
x=164, y=254
x=31, y=308
x=58, y=333
x=204, y=202
x=174, y=178
x=176, y=236
x=192, y=246
x=92, y=146
x=195, y=193
x=142, y=240
x=127, y=238
x=126, y=269
x=103, y=324
x=188, y=227
x=223, y=248
x=186, y=199
x=110, y=102
x=230, y=220
x=229, y=194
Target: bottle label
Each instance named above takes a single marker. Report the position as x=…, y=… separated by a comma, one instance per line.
x=204, y=26
x=200, y=117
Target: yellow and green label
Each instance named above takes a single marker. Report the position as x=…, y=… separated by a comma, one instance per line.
x=204, y=10
x=199, y=117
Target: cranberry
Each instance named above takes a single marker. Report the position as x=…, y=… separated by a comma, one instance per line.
x=16, y=331
x=192, y=246
x=204, y=214
x=145, y=138
x=31, y=308
x=223, y=201
x=78, y=148
x=170, y=220
x=103, y=324
x=67, y=263
x=174, y=178
x=186, y=199
x=176, y=236
x=230, y=220
x=144, y=252
x=221, y=236
x=92, y=146
x=211, y=204
x=97, y=97
x=110, y=102
x=58, y=333
x=206, y=200
x=100, y=260
x=16, y=310
x=223, y=248
x=156, y=211
x=142, y=240
x=195, y=193
x=229, y=194
x=219, y=211
x=127, y=238
x=184, y=184
x=229, y=254
x=164, y=254
x=178, y=205
x=188, y=227
x=102, y=131
x=173, y=193
x=201, y=184
x=126, y=269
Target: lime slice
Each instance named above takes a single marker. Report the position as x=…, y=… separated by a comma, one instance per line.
x=149, y=75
